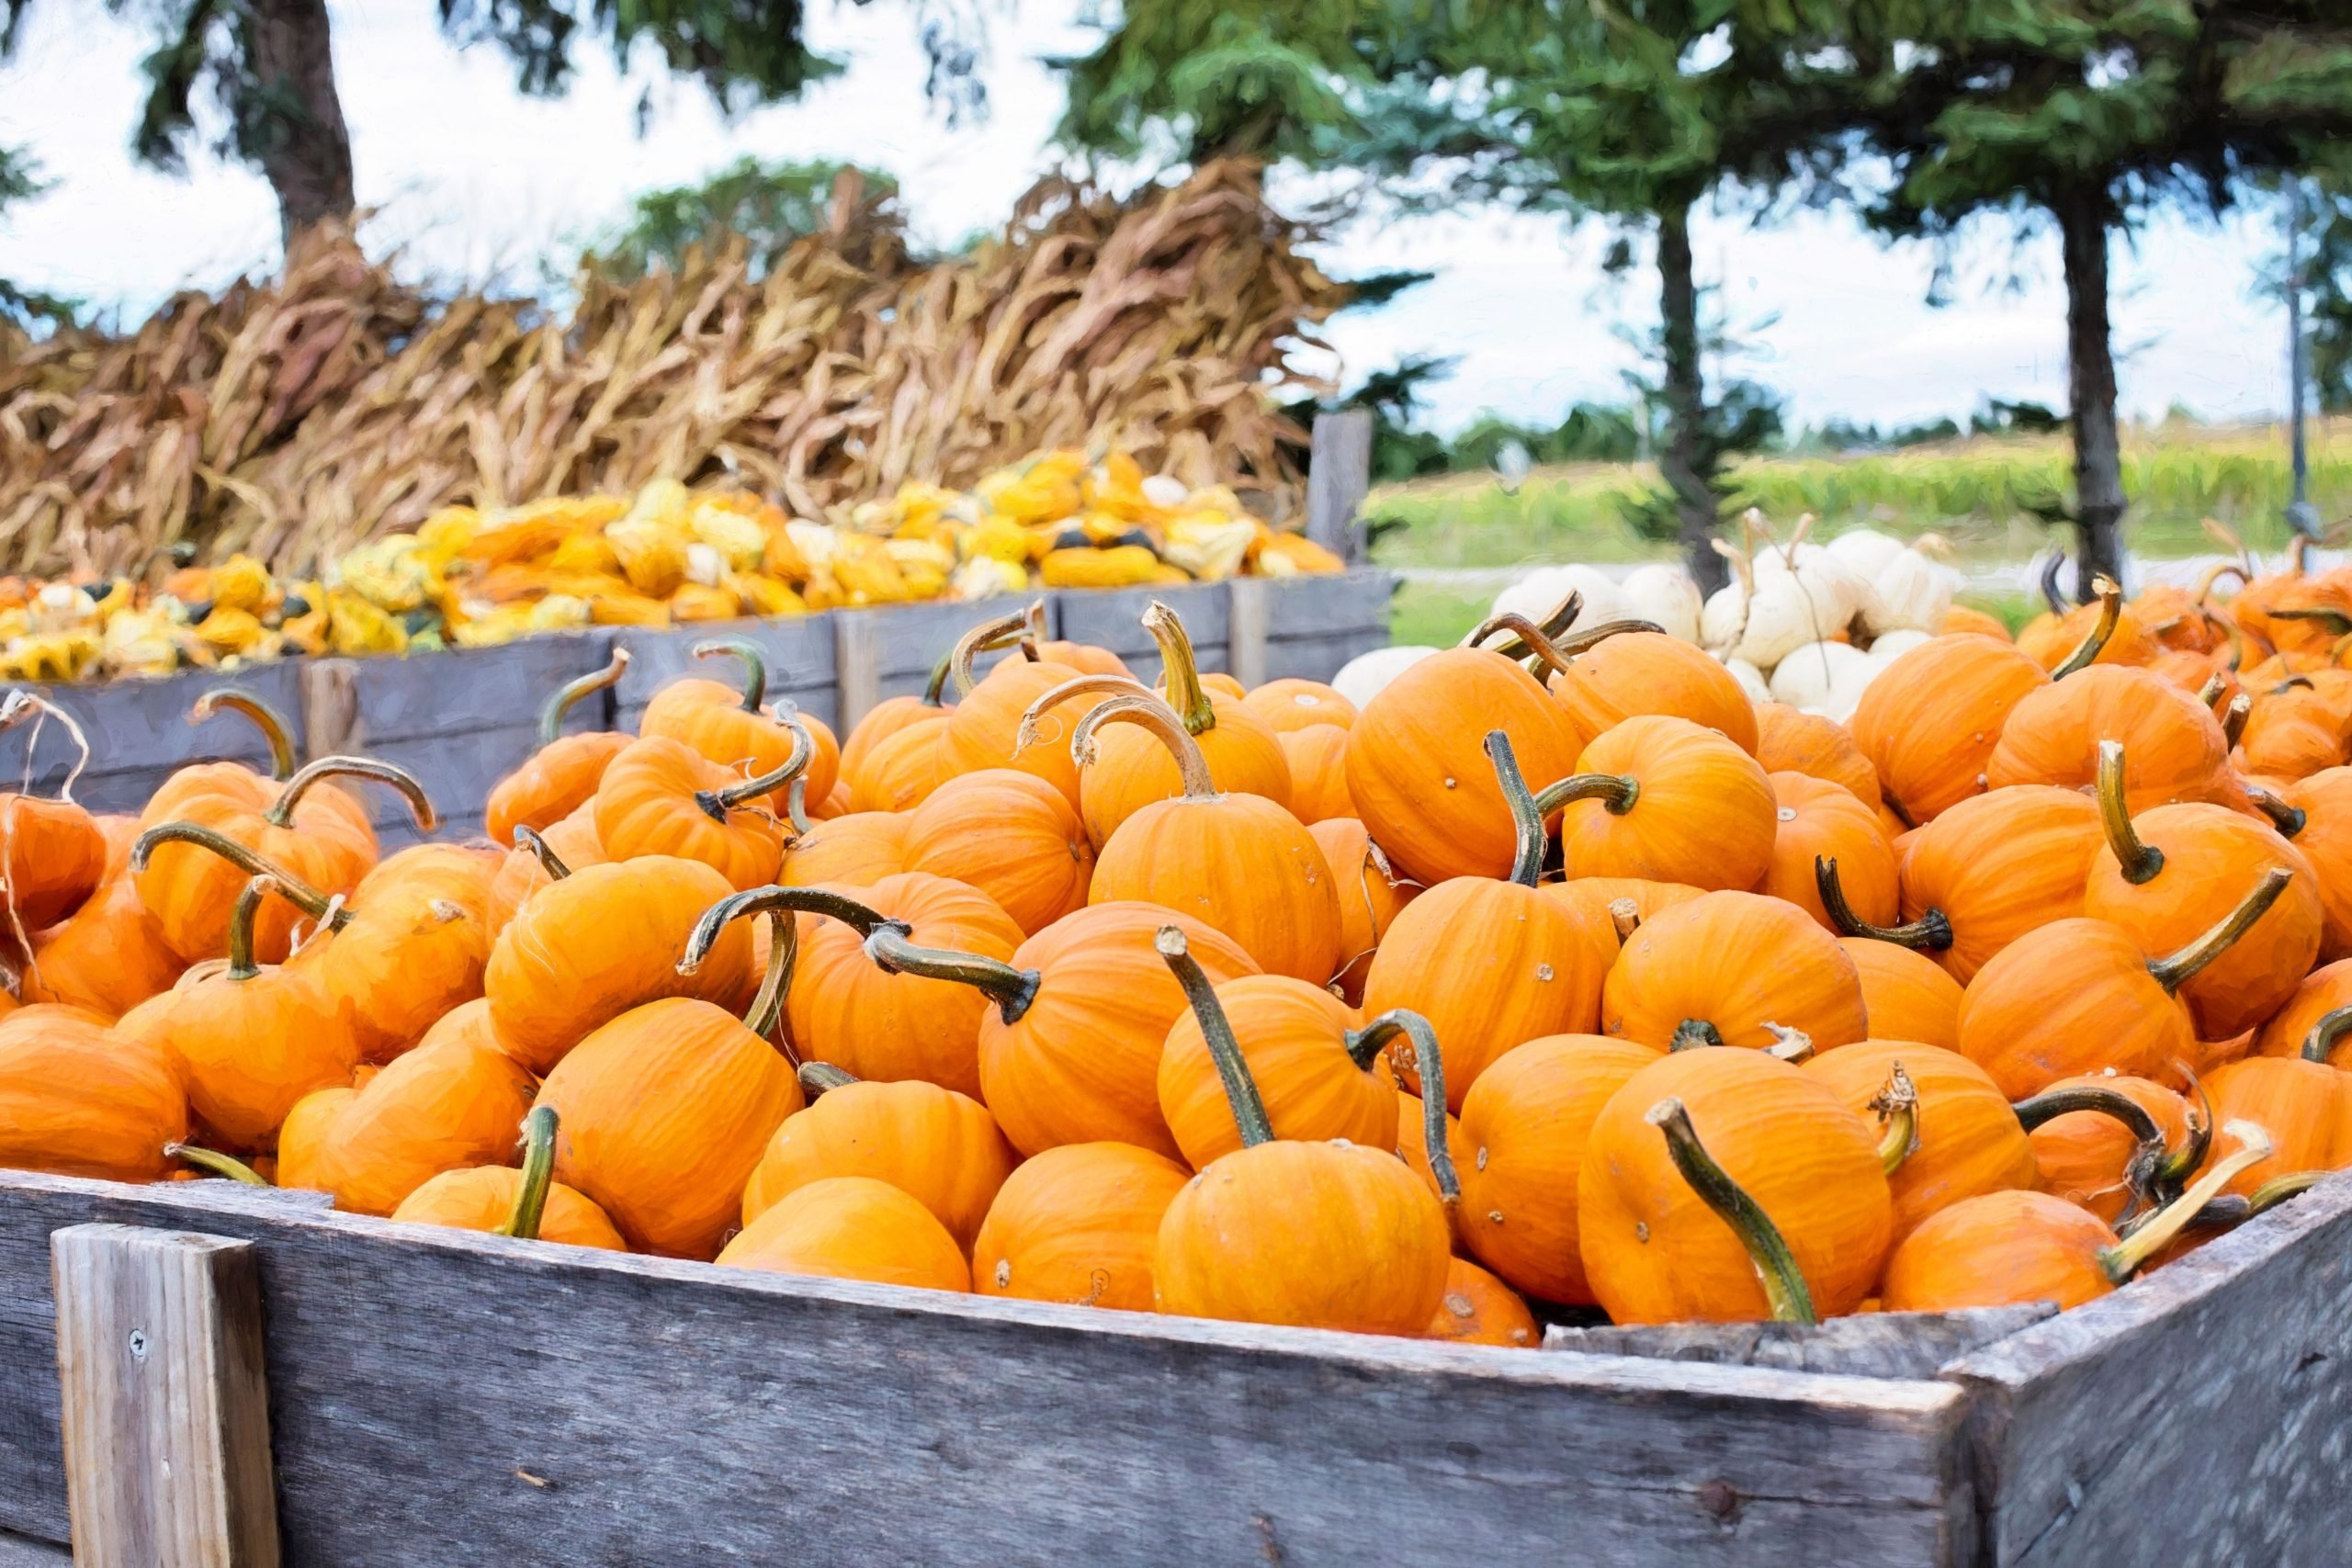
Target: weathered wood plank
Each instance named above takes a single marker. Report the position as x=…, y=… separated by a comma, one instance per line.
x=445, y=1398
x=1882, y=1345
x=139, y=732
x=1339, y=472
x=798, y=650
x=2194, y=1417
x=23, y=1551
x=1113, y=618
x=892, y=651
x=458, y=691
x=165, y=1412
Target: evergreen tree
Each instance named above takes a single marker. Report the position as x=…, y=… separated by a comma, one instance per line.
x=21, y=308
x=768, y=204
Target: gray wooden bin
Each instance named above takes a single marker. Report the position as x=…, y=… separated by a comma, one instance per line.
x=440, y=1398
x=140, y=734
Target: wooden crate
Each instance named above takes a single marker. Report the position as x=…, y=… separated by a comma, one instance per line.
x=446, y=1398
x=798, y=650
x=140, y=734
x=1306, y=628
x=892, y=652
x=1113, y=618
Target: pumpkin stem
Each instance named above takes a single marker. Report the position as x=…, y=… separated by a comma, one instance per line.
x=2211, y=692
x=2128, y=1257
x=2140, y=860
x=1160, y=719
x=1530, y=637
x=718, y=803
x=242, y=916
x=2289, y=820
x=2233, y=719
x=572, y=693
x=2298, y=555
x=2110, y=611
x=281, y=810
x=1785, y=1289
x=1898, y=1111
x=1032, y=631
x=2181, y=967
x=2175, y=1170
x=1180, y=670
x=2050, y=594
x=1931, y=932
x=1694, y=1033
x=1563, y=615
x=755, y=666
x=1791, y=1045
x=2335, y=623
x=538, y=1173
x=2144, y=1174
x=1013, y=990
x=20, y=702
x=796, y=804
x=551, y=862
x=1626, y=916
x=1424, y=1059
x=2279, y=1189
x=2212, y=576
x=1232, y=1067
x=817, y=1077
x=1617, y=792
x=934, y=690
x=290, y=888
x=214, y=1163
x=985, y=638
x=1526, y=816
x=1590, y=638
x=765, y=1014
x=1032, y=729
x=268, y=720
x=2320, y=1044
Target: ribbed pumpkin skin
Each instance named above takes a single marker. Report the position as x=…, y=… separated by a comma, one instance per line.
x=1704, y=815
x=903, y=770
x=1649, y=672
x=1369, y=896
x=1589, y=896
x=853, y=1227
x=1008, y=834
x=2173, y=745
x=710, y=717
x=2325, y=800
x=663, y=1115
x=2323, y=992
x=1969, y=1140
x=581, y=951
x=109, y=955
x=248, y=1051
x=1239, y=864
x=559, y=778
x=940, y=1148
x=1790, y=740
x=1737, y=961
x=1318, y=756
x=1490, y=964
x=1999, y=866
x=417, y=945
x=1999, y=1250
x=2305, y=1106
x=191, y=891
x=1290, y=704
x=1478, y=1309
x=1417, y=770
x=1525, y=1123
x=1077, y=1225
x=76, y=1099
x=1930, y=721
x=53, y=858
x=883, y=721
x=1082, y=1063
x=2075, y=997
x=443, y=1106
x=1653, y=1252
x=1905, y=996
x=1291, y=1033
x=1312, y=1234
x=646, y=806
x=481, y=1198
x=2082, y=1156
x=985, y=729
x=1132, y=768
x=855, y=851
x=1818, y=821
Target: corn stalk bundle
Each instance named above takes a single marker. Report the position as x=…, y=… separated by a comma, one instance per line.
x=298, y=418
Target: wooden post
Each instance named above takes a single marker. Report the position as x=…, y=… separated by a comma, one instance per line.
x=165, y=1410
x=1339, y=472
x=858, y=665
x=331, y=719
x=1244, y=653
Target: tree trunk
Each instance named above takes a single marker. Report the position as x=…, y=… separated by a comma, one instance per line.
x=2082, y=216
x=293, y=118
x=1686, y=401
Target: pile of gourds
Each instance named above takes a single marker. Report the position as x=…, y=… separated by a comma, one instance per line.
x=1562, y=974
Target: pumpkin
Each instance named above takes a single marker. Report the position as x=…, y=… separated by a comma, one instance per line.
x=2177, y=749
x=53, y=854
x=984, y=730
x=1967, y=618
x=2105, y=631
x=109, y=955
x=1317, y=758
x=1077, y=1225
x=2321, y=994
x=1990, y=870
x=1639, y=672
x=2304, y=1107
x=562, y=774
x=852, y=1227
x=941, y=1147
x=1239, y=862
x=901, y=771
x=1906, y=997
x=1478, y=1309
x=1951, y=1133
x=2109, y=1142
x=527, y=1204
x=2161, y=875
x=661, y=797
x=888, y=717
x=1733, y=969
x=1492, y=963
x=2080, y=995
x=1289, y=705
x=1818, y=821
x=2321, y=830
x=78, y=1100
x=855, y=851
x=1371, y=895
x=412, y=944
x=1661, y=799
x=1525, y=1123
x=1594, y=898
x=2292, y=731
x=1790, y=740
x=735, y=731
x=1012, y=836
x=1724, y=1187
x=1930, y=721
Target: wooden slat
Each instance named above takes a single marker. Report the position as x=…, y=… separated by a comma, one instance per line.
x=165, y=1412
x=798, y=650
x=444, y=1397
x=890, y=651
x=1113, y=618
x=1880, y=1344
x=2194, y=1417
x=1339, y=472
x=23, y=1551
x=139, y=733
x=460, y=691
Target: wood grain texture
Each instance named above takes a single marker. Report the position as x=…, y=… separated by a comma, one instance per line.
x=165, y=1412
x=1338, y=473
x=2194, y=1417
x=23, y=1551
x=1882, y=1345
x=892, y=651
x=452, y=1399
x=798, y=650
x=139, y=733
x=1113, y=618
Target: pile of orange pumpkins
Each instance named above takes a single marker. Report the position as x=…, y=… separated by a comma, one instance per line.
x=1560, y=976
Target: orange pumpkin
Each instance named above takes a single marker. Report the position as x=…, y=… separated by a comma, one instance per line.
x=1648, y=672
x=109, y=955
x=52, y=855
x=1077, y=1225
x=1593, y=898
x=2324, y=993
x=1791, y=741
x=2292, y=730
x=1661, y=798
x=411, y=945
x=2105, y=631
x=1905, y=996
x=1370, y=896
x=1821, y=821
x=1008, y=834
x=527, y=1204
x=735, y=730
x=562, y=774
x=1930, y=721
x=2175, y=746
x=2320, y=828
x=661, y=797
x=2304, y=1108
x=888, y=717
x=855, y=851
x=1478, y=1309
x=1289, y=705
x=78, y=1100
x=1952, y=1134
x=1318, y=756
x=1967, y=618
x=902, y=770
x=852, y=1227
x=984, y=730
x=2107, y=1142
x=1733, y=969
x=1990, y=870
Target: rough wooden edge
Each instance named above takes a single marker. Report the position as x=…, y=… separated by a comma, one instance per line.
x=1339, y=474
x=1878, y=1345
x=23, y=1551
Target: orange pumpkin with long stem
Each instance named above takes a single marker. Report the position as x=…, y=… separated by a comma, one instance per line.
x=1661, y=799
x=1077, y=1225
x=2177, y=749
x=2162, y=872
x=1311, y=1234
x=941, y=1147
x=1492, y=963
x=1370, y=896
x=600, y=941
x=76, y=1099
x=1949, y=1132
x=2105, y=631
x=855, y=851
x=2301, y=1104
x=53, y=854
x=2111, y=1142
x=1525, y=1123
x=410, y=944
x=1791, y=741
x=852, y=1227
x=1240, y=862
x=1817, y=821
x=984, y=730
x=1930, y=722
x=2324, y=993
x=2293, y=731
x=1905, y=996
x=890, y=716
x=1291, y=704
x=109, y=955
x=661, y=797
x=735, y=730
x=1478, y=1309
x=1988, y=872
x=1724, y=1187
x=2081, y=995
x=563, y=772
x=1733, y=969
x=529, y=1204
x=237, y=783
x=1642, y=670
x=1008, y=834
x=1318, y=756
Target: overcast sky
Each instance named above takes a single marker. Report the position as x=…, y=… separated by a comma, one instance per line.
x=473, y=181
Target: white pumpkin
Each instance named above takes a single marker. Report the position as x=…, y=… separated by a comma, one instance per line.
x=1663, y=594
x=1362, y=678
x=1823, y=677
x=1886, y=649
x=1867, y=550
x=1537, y=593
x=1750, y=679
x=1913, y=593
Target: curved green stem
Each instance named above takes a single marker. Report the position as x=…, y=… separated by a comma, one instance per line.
x=1161, y=720
x=762, y=900
x=2233, y=719
x=2174, y=972
x=572, y=693
x=241, y=915
x=2331, y=1027
x=1530, y=637
x=1527, y=818
x=988, y=634
x=1180, y=670
x=549, y=862
x=934, y=690
x=1013, y=990
x=1240, y=1089
x=1367, y=1043
x=1563, y=615
x=281, y=811
x=1692, y=1035
x=1898, y=1111
x=2279, y=1189
x=1619, y=793
x=755, y=666
x=2110, y=611
x=2144, y=1172
x=538, y=1175
x=2127, y=1258
x=2140, y=860
x=1931, y=932
x=718, y=803
x=1785, y=1289
x=214, y=1163
x=765, y=1014
x=2335, y=623
x=795, y=806
x=817, y=1077
x=1590, y=638
x=272, y=724
x=290, y=888
x=1032, y=718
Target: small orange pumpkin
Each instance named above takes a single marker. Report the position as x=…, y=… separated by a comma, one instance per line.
x=660, y=796
x=109, y=955
x=1906, y=997
x=1370, y=896
x=1289, y=705
x=855, y=851
x=1077, y=1225
x=1733, y=969
x=1950, y=1131
x=1661, y=799
x=2175, y=746
x=734, y=729
x=1930, y=721
x=985, y=729
x=852, y=1227
x=527, y=1204
x=1990, y=870
x=1819, y=822
x=888, y=717
x=1478, y=1309
x=78, y=1100
x=1634, y=672
x=2109, y=1142
x=1318, y=756
x=1791, y=741
x=1008, y=834
x=562, y=774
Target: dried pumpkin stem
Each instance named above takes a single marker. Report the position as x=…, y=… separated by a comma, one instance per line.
x=2279, y=1189
x=1625, y=915
x=2335, y=623
x=2140, y=860
x=212, y=1162
x=1898, y=1111
x=290, y=888
x=720, y=801
x=2233, y=719
x=1526, y=816
x=1032, y=729
x=1530, y=637
x=755, y=666
x=1785, y=1289
x=2143, y=1172
x=571, y=693
x=762, y=900
x=766, y=1015
x=2289, y=820
x=1590, y=638
x=275, y=731
x=1429, y=1062
x=2050, y=594
x=2331, y=1027
x=985, y=638
x=1013, y=990
x=281, y=811
x=1180, y=670
x=2121, y=1261
x=795, y=806
x=1617, y=792
x=1232, y=1067
x=538, y=1174
x=1693, y=1034
x=2211, y=692
x=544, y=852
x=1931, y=932
x=934, y=690
x=817, y=1077
x=1562, y=617
x=2110, y=611
x=241, y=915
x=2173, y=1170
x=2176, y=971
x=1160, y=719
x=20, y=703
